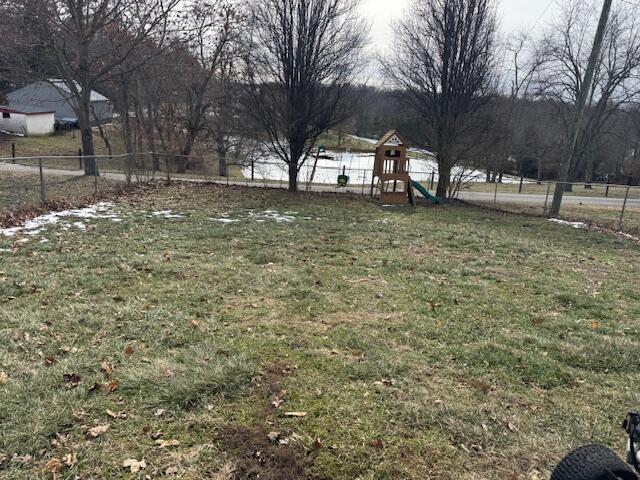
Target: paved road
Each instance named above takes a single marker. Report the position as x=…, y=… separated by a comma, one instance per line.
x=540, y=199
x=513, y=198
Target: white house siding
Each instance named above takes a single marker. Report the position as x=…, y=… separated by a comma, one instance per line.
x=34, y=124
x=39, y=124
x=16, y=123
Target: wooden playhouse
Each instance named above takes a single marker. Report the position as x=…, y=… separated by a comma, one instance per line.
x=391, y=169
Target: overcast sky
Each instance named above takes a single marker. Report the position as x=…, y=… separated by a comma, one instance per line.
x=514, y=15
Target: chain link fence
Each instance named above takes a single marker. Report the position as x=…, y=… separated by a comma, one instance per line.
x=612, y=206
x=37, y=181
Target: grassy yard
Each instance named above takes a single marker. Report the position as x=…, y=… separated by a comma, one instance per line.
x=603, y=216
x=250, y=332
x=61, y=144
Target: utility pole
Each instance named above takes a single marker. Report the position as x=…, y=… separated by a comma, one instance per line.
x=581, y=102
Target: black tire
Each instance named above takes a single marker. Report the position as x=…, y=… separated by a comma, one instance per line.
x=593, y=462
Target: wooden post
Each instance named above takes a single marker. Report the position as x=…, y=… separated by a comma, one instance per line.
x=546, y=200
x=95, y=178
x=80, y=159
x=581, y=103
x=13, y=152
x=520, y=187
x=43, y=198
x=624, y=207
x=495, y=195
x=606, y=192
x=313, y=170
x=253, y=170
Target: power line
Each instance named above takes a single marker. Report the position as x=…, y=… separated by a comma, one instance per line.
x=544, y=12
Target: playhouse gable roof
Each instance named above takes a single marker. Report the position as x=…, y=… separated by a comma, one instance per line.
x=392, y=138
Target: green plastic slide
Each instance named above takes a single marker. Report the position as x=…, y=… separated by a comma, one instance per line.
x=425, y=193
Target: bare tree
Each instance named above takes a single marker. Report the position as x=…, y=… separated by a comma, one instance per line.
x=443, y=62
x=83, y=41
x=301, y=59
x=514, y=81
x=567, y=47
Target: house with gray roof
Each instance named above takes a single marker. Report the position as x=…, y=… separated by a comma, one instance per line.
x=54, y=95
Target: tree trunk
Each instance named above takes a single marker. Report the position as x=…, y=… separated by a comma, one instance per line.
x=588, y=176
x=183, y=158
x=221, y=150
x=86, y=136
x=84, y=111
x=444, y=182
x=293, y=177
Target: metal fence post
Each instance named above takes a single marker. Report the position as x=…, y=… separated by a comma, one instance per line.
x=606, y=192
x=80, y=158
x=433, y=178
x=13, y=152
x=43, y=198
x=624, y=207
x=95, y=177
x=520, y=187
x=546, y=199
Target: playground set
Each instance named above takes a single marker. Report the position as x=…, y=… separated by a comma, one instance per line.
x=391, y=170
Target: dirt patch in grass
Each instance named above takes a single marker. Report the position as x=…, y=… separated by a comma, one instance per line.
x=260, y=455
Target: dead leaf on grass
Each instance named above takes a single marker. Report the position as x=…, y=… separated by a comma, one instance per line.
x=171, y=471
x=107, y=368
x=53, y=466
x=3, y=378
x=117, y=415
x=295, y=414
x=134, y=465
x=72, y=378
x=386, y=382
x=70, y=459
x=279, y=398
x=129, y=350
x=95, y=432
x=377, y=443
x=110, y=387
x=167, y=443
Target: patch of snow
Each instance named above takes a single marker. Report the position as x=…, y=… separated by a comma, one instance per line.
x=223, y=220
x=167, y=214
x=577, y=225
x=39, y=224
x=278, y=217
x=258, y=217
